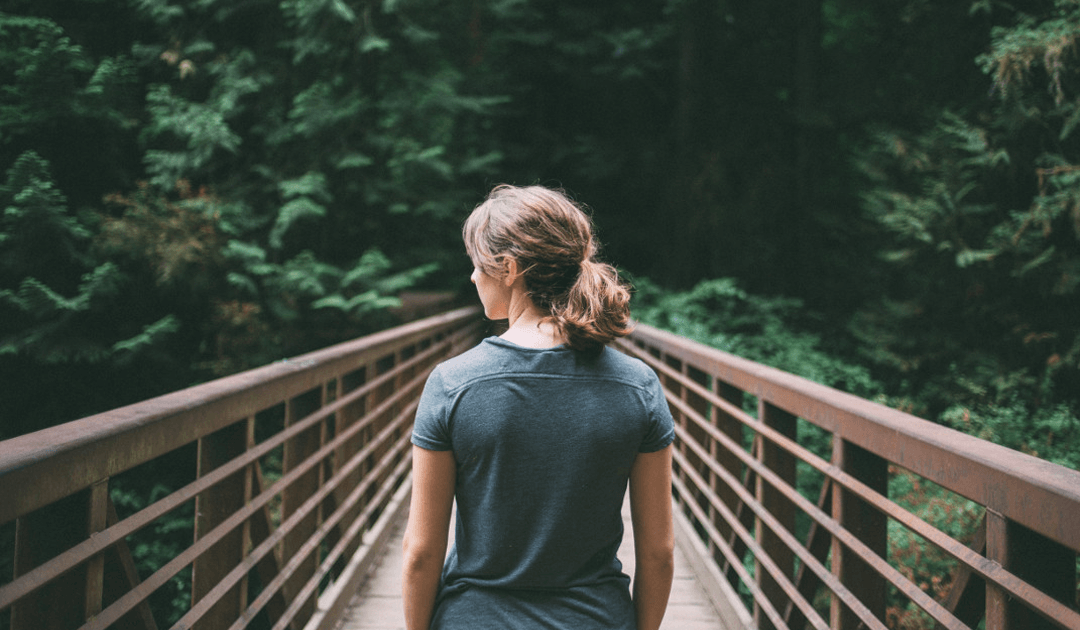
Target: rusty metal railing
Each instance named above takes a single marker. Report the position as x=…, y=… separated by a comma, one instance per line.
x=777, y=559
x=295, y=469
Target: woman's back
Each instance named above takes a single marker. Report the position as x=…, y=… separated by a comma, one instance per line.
x=544, y=440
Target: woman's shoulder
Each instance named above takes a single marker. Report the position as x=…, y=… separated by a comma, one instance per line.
x=480, y=360
x=496, y=358
x=626, y=365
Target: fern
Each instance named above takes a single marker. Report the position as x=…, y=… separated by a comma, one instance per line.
x=358, y=305
x=201, y=128
x=150, y=337
x=160, y=11
x=304, y=197
x=290, y=213
x=312, y=184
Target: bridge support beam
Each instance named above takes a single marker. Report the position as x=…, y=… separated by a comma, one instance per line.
x=212, y=507
x=779, y=505
x=296, y=451
x=1043, y=563
x=42, y=535
x=867, y=524
x=731, y=427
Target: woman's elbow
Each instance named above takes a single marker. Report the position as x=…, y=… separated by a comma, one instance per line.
x=419, y=554
x=660, y=555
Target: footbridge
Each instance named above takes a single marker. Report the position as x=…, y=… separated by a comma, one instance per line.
x=797, y=506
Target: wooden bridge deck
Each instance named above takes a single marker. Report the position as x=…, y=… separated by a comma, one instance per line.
x=377, y=604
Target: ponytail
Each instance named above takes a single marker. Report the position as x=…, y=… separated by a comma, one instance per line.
x=596, y=310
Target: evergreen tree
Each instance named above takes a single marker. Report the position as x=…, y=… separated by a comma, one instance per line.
x=69, y=105
x=979, y=313
x=57, y=306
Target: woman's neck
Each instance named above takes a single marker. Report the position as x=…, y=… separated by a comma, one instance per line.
x=529, y=328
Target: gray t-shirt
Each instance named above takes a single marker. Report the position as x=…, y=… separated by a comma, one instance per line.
x=543, y=440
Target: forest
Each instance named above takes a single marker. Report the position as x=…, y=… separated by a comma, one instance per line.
x=881, y=196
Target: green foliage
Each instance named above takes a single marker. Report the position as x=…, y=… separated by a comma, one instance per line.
x=198, y=130
x=981, y=210
x=246, y=309
x=1048, y=432
x=773, y=330
x=154, y=546
x=370, y=286
x=1045, y=40
x=241, y=182
x=47, y=327
x=35, y=222
x=42, y=253
x=941, y=206
x=150, y=337
x=303, y=197
x=50, y=74
x=65, y=103
x=928, y=567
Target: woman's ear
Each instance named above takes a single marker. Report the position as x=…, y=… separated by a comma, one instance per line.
x=513, y=272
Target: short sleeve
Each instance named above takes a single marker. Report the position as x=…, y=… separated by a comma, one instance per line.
x=661, y=426
x=431, y=430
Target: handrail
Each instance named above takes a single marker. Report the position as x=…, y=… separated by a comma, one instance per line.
x=736, y=479
x=337, y=419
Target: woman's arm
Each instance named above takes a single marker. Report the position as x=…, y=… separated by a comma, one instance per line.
x=654, y=535
x=426, y=534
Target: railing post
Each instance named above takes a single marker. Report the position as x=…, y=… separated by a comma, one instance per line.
x=212, y=507
x=406, y=376
x=346, y=418
x=1043, y=563
x=97, y=520
x=696, y=433
x=705, y=409
x=325, y=467
x=251, y=485
x=332, y=391
x=728, y=425
x=866, y=524
x=675, y=388
x=42, y=535
x=772, y=499
x=997, y=549
x=379, y=367
x=399, y=381
x=293, y=497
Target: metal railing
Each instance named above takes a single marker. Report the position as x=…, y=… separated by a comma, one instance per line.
x=293, y=469
x=750, y=437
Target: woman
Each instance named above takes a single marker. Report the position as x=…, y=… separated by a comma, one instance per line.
x=537, y=434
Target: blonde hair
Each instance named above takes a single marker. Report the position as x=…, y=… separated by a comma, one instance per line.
x=551, y=238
